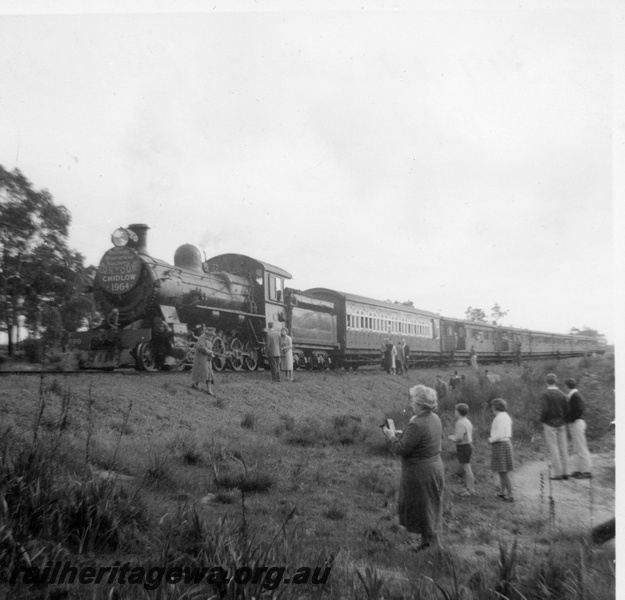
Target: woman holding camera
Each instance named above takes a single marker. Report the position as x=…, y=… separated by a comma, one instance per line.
x=420, y=502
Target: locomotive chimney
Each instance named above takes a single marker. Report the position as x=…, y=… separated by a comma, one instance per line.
x=142, y=233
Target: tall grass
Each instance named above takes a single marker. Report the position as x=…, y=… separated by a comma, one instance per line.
x=51, y=506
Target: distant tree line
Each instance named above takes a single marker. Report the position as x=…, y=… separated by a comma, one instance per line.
x=478, y=315
x=41, y=278
x=496, y=313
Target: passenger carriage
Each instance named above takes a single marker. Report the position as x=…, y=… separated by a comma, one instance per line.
x=363, y=325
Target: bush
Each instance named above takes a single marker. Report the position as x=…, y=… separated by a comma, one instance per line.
x=42, y=501
x=33, y=350
x=248, y=421
x=343, y=430
x=250, y=482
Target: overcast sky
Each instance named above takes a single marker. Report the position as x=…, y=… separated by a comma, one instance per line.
x=452, y=153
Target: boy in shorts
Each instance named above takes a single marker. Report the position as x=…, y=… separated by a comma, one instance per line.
x=463, y=437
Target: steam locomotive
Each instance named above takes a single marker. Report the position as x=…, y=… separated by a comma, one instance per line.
x=153, y=307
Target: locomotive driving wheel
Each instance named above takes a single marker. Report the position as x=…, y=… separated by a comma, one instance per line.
x=251, y=357
x=219, y=350
x=236, y=354
x=145, y=357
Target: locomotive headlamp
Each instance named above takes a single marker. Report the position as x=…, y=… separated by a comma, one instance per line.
x=122, y=236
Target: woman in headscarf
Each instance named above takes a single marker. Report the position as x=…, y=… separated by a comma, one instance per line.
x=420, y=502
x=286, y=350
x=202, y=362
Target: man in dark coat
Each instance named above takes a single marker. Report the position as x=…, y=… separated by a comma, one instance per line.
x=272, y=347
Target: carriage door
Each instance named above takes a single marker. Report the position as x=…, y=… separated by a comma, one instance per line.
x=448, y=338
x=462, y=337
x=507, y=339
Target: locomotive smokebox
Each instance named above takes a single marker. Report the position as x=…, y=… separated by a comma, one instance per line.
x=142, y=234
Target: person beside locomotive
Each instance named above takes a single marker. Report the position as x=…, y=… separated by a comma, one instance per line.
x=286, y=348
x=420, y=501
x=274, y=352
x=202, y=361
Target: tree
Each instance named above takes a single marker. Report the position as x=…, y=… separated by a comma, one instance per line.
x=496, y=313
x=475, y=314
x=37, y=268
x=405, y=303
x=587, y=332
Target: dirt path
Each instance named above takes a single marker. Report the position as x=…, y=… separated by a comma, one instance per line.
x=578, y=504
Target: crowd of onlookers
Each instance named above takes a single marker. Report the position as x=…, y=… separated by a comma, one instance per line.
x=423, y=476
x=420, y=444
x=395, y=359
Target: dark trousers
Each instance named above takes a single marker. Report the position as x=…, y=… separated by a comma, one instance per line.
x=274, y=365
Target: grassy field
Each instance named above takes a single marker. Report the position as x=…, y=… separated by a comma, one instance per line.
x=141, y=469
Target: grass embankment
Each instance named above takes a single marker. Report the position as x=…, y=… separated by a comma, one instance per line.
x=142, y=469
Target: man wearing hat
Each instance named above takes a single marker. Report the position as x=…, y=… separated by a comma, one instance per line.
x=203, y=360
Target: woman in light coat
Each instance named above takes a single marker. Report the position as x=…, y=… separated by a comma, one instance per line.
x=203, y=360
x=286, y=350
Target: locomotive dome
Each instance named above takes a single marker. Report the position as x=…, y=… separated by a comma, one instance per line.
x=188, y=257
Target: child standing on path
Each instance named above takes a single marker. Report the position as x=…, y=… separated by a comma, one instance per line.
x=463, y=437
